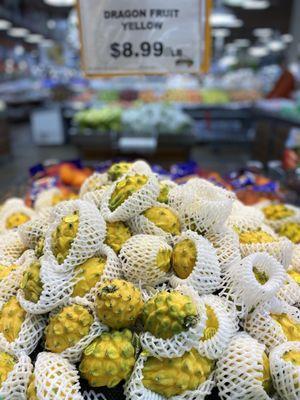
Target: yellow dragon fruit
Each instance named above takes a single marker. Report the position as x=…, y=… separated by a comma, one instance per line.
x=109, y=359
x=39, y=247
x=291, y=230
x=163, y=196
x=292, y=356
x=276, y=212
x=167, y=314
x=7, y=363
x=117, y=233
x=184, y=258
x=173, y=376
x=64, y=235
x=118, y=304
x=117, y=170
x=67, y=327
x=59, y=197
x=267, y=379
x=31, y=390
x=294, y=275
x=31, y=283
x=12, y=317
x=212, y=324
x=16, y=219
x=291, y=329
x=164, y=219
x=88, y=275
x=125, y=188
x=258, y=236
x=5, y=271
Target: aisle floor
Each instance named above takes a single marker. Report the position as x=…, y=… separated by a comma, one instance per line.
x=14, y=170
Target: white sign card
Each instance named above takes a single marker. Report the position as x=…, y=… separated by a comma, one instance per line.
x=123, y=37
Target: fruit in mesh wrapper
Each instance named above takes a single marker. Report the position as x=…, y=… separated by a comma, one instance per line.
x=59, y=197
x=212, y=324
x=117, y=170
x=163, y=196
x=64, y=235
x=66, y=328
x=109, y=359
x=12, y=317
x=117, y=233
x=275, y=212
x=16, y=219
x=31, y=283
x=39, y=247
x=258, y=236
x=5, y=271
x=87, y=275
x=118, y=303
x=294, y=275
x=7, y=363
x=173, y=376
x=31, y=390
x=291, y=230
x=164, y=219
x=292, y=356
x=125, y=188
x=184, y=258
x=168, y=314
x=267, y=379
x=291, y=329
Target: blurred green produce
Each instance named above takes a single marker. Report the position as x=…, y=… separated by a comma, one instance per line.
x=214, y=96
x=105, y=119
x=109, y=96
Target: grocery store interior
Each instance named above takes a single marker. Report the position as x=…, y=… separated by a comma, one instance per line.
x=239, y=122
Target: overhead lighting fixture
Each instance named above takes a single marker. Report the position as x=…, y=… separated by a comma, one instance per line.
x=34, y=38
x=221, y=32
x=255, y=4
x=276, y=45
x=228, y=61
x=4, y=24
x=242, y=42
x=60, y=3
x=18, y=32
x=287, y=38
x=258, y=51
x=222, y=18
x=263, y=32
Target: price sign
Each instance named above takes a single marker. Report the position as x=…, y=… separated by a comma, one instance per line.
x=143, y=36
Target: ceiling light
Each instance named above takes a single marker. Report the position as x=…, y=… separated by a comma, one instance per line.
x=263, y=32
x=4, y=24
x=18, y=32
x=234, y=3
x=287, y=38
x=258, y=51
x=60, y=3
x=256, y=4
x=51, y=24
x=34, y=38
x=228, y=61
x=223, y=18
x=242, y=42
x=276, y=45
x=221, y=32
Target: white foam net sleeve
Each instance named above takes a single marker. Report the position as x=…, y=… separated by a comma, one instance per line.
x=285, y=375
x=29, y=335
x=226, y=244
x=245, y=217
x=182, y=342
x=13, y=202
x=33, y=230
x=11, y=247
x=201, y=205
x=140, y=167
x=112, y=269
x=281, y=248
x=142, y=225
x=95, y=197
x=276, y=224
x=135, y=390
x=290, y=292
x=93, y=183
x=45, y=199
x=264, y=328
x=206, y=275
x=137, y=203
x=90, y=235
x=73, y=354
x=239, y=372
x=56, y=378
x=296, y=258
x=213, y=347
x=15, y=386
x=14, y=208
x=138, y=259
x=11, y=283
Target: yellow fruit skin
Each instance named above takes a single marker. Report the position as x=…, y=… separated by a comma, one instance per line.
x=5, y=271
x=292, y=356
x=31, y=283
x=163, y=194
x=58, y=198
x=267, y=379
x=184, y=258
x=276, y=212
x=67, y=328
x=295, y=275
x=12, y=317
x=125, y=188
x=7, y=363
x=118, y=304
x=117, y=233
x=163, y=260
x=16, y=219
x=252, y=237
x=212, y=324
x=64, y=235
x=117, y=170
x=290, y=328
x=109, y=359
x=260, y=276
x=164, y=219
x=31, y=390
x=291, y=230
x=167, y=314
x=39, y=248
x=174, y=376
x=89, y=274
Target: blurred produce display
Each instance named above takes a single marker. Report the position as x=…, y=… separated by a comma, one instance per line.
x=105, y=119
